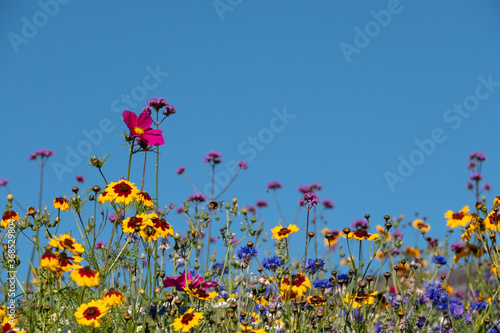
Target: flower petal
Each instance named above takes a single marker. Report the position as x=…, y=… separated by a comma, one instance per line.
x=130, y=120
x=144, y=121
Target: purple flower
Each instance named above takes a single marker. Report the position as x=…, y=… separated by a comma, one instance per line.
x=213, y=239
x=455, y=247
x=398, y=234
x=112, y=217
x=246, y=252
x=197, y=197
x=42, y=153
x=180, y=210
x=157, y=103
x=169, y=110
x=327, y=203
x=478, y=156
x=476, y=176
x=272, y=263
x=180, y=170
x=321, y=284
x=251, y=209
x=456, y=308
x=304, y=188
x=359, y=224
x=243, y=165
x=437, y=294
x=261, y=203
x=80, y=179
x=213, y=157
x=470, y=186
x=315, y=187
x=4, y=181
x=274, y=185
x=459, y=294
x=100, y=245
x=234, y=240
x=439, y=260
x=218, y=267
x=487, y=187
x=314, y=265
x=147, y=110
x=309, y=199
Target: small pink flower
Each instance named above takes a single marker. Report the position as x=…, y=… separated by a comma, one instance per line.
x=274, y=185
x=487, y=186
x=478, y=156
x=180, y=170
x=80, y=179
x=213, y=157
x=327, y=203
x=243, y=165
x=476, y=176
x=180, y=210
x=261, y=203
x=196, y=197
x=140, y=127
x=157, y=103
x=100, y=245
x=470, y=186
x=4, y=181
x=309, y=200
x=42, y=153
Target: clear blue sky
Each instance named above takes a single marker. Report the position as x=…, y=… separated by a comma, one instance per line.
x=360, y=82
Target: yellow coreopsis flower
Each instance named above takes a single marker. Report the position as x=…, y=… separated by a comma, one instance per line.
x=458, y=219
x=298, y=284
x=61, y=203
x=279, y=232
x=492, y=220
x=90, y=314
x=122, y=191
x=145, y=199
x=357, y=300
x=113, y=297
x=148, y=231
x=361, y=234
x=421, y=225
x=249, y=329
x=187, y=321
x=85, y=277
x=8, y=217
x=65, y=242
x=162, y=226
x=200, y=293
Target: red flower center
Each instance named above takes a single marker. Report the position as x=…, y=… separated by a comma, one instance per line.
x=458, y=216
x=86, y=272
x=186, y=318
x=122, y=189
x=284, y=232
x=361, y=233
x=91, y=313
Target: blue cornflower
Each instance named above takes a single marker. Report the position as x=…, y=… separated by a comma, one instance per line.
x=322, y=284
x=439, y=260
x=478, y=305
x=218, y=266
x=437, y=294
x=272, y=263
x=311, y=265
x=421, y=321
x=156, y=310
x=343, y=276
x=246, y=252
x=456, y=308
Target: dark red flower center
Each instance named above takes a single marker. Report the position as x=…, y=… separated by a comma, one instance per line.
x=458, y=216
x=86, y=272
x=361, y=233
x=134, y=222
x=91, y=313
x=186, y=318
x=123, y=189
x=284, y=232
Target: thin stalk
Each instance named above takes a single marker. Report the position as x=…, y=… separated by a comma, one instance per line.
x=307, y=237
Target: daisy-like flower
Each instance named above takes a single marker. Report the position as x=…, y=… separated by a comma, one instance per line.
x=200, y=293
x=249, y=329
x=61, y=203
x=492, y=220
x=140, y=127
x=148, y=231
x=130, y=224
x=361, y=234
x=90, y=314
x=421, y=225
x=49, y=260
x=299, y=284
x=67, y=263
x=316, y=300
x=162, y=226
x=279, y=232
x=103, y=197
x=85, y=277
x=187, y=321
x=331, y=237
x=65, y=242
x=458, y=219
x=113, y=297
x=384, y=233
x=7, y=218
x=145, y=199
x=357, y=300
x=121, y=191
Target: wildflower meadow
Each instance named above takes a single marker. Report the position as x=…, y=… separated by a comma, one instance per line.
x=125, y=267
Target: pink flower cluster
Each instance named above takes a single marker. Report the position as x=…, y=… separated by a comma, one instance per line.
x=213, y=157
x=309, y=200
x=197, y=197
x=42, y=153
x=274, y=185
x=158, y=103
x=310, y=188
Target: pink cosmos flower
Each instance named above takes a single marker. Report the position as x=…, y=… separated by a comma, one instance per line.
x=140, y=127
x=187, y=280
x=4, y=181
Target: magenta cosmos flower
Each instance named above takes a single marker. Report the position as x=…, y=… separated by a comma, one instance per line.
x=140, y=127
x=187, y=280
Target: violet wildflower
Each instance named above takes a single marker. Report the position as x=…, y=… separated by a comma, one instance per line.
x=315, y=187
x=112, y=217
x=456, y=308
x=437, y=294
x=261, y=203
x=80, y=179
x=180, y=170
x=213, y=239
x=169, y=110
x=157, y=103
x=304, y=189
x=274, y=185
x=487, y=187
x=470, y=186
x=213, y=157
x=196, y=197
x=251, y=209
x=218, y=266
x=246, y=252
x=360, y=224
x=100, y=245
x=147, y=110
x=478, y=156
x=314, y=265
x=309, y=199
x=4, y=181
x=398, y=234
x=320, y=284
x=42, y=153
x=456, y=247
x=327, y=203
x=180, y=210
x=479, y=306
x=243, y=165
x=272, y=263
x=476, y=176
